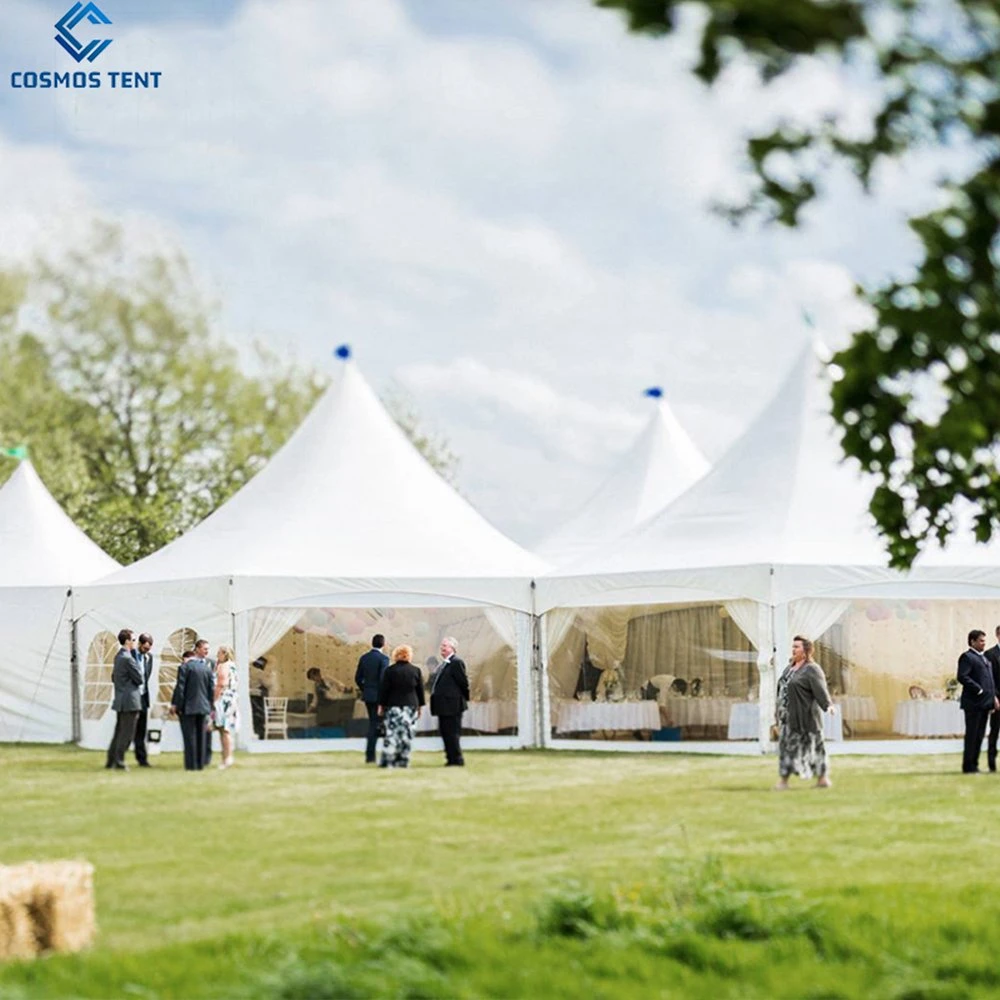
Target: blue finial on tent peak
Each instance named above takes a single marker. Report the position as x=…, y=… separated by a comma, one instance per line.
x=343, y=352
x=654, y=392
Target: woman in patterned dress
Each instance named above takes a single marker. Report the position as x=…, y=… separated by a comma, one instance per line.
x=802, y=699
x=225, y=714
x=400, y=702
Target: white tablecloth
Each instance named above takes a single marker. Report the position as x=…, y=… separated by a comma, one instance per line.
x=699, y=711
x=928, y=718
x=585, y=716
x=744, y=722
x=858, y=707
x=484, y=716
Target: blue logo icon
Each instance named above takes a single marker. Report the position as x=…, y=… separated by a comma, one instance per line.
x=68, y=40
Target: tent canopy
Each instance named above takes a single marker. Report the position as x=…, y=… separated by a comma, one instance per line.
x=659, y=467
x=346, y=505
x=781, y=515
x=39, y=544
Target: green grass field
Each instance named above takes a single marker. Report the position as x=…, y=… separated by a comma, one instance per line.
x=525, y=874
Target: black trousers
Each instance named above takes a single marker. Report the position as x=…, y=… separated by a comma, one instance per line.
x=124, y=733
x=139, y=744
x=372, y=707
x=975, y=729
x=450, y=727
x=991, y=743
x=193, y=732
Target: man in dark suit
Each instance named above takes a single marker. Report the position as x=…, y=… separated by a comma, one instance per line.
x=192, y=701
x=145, y=658
x=368, y=679
x=201, y=652
x=979, y=697
x=993, y=655
x=126, y=676
x=449, y=699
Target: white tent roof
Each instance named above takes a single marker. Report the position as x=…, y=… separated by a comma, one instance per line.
x=347, y=505
x=780, y=515
x=659, y=467
x=39, y=544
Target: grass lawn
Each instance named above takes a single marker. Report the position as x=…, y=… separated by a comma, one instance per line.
x=525, y=874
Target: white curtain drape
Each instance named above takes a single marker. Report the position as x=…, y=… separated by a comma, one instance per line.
x=504, y=622
x=812, y=616
x=751, y=619
x=607, y=634
x=267, y=626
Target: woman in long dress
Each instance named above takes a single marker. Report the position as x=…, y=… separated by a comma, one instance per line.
x=225, y=714
x=400, y=702
x=802, y=699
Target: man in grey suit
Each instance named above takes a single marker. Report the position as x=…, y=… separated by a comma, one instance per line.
x=126, y=676
x=192, y=701
x=146, y=666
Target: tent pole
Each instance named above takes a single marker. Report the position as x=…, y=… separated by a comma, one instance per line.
x=74, y=674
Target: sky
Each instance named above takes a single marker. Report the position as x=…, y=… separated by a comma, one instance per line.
x=502, y=206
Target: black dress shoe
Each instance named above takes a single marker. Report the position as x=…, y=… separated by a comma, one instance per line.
x=144, y=763
x=120, y=767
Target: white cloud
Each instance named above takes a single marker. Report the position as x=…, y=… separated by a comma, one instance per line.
x=520, y=215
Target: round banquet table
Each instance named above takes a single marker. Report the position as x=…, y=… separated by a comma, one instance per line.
x=744, y=722
x=917, y=717
x=586, y=716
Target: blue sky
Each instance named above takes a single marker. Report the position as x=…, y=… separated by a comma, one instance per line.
x=502, y=205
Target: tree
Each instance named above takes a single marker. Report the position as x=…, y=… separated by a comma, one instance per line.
x=140, y=420
x=918, y=391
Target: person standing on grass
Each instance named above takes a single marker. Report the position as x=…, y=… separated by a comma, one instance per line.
x=400, y=702
x=993, y=655
x=201, y=653
x=802, y=699
x=449, y=699
x=126, y=677
x=146, y=666
x=368, y=679
x=192, y=701
x=979, y=697
x=225, y=714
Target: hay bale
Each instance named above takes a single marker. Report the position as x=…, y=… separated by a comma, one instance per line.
x=46, y=907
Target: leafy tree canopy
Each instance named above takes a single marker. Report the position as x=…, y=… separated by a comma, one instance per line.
x=918, y=391
x=139, y=420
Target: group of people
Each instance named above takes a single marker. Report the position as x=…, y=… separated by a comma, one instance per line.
x=393, y=692
x=204, y=698
x=803, y=696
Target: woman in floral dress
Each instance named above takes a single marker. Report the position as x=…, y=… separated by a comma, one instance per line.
x=225, y=714
x=802, y=699
x=400, y=702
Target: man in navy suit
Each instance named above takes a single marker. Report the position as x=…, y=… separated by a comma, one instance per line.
x=126, y=677
x=979, y=697
x=145, y=658
x=368, y=678
x=993, y=655
x=449, y=699
x=192, y=701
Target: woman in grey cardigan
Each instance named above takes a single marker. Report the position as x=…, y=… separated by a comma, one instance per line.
x=802, y=699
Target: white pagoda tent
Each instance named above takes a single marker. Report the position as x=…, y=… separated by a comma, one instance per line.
x=43, y=554
x=661, y=464
x=778, y=535
x=347, y=514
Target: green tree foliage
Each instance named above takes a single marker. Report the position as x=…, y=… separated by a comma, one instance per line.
x=140, y=421
x=919, y=396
